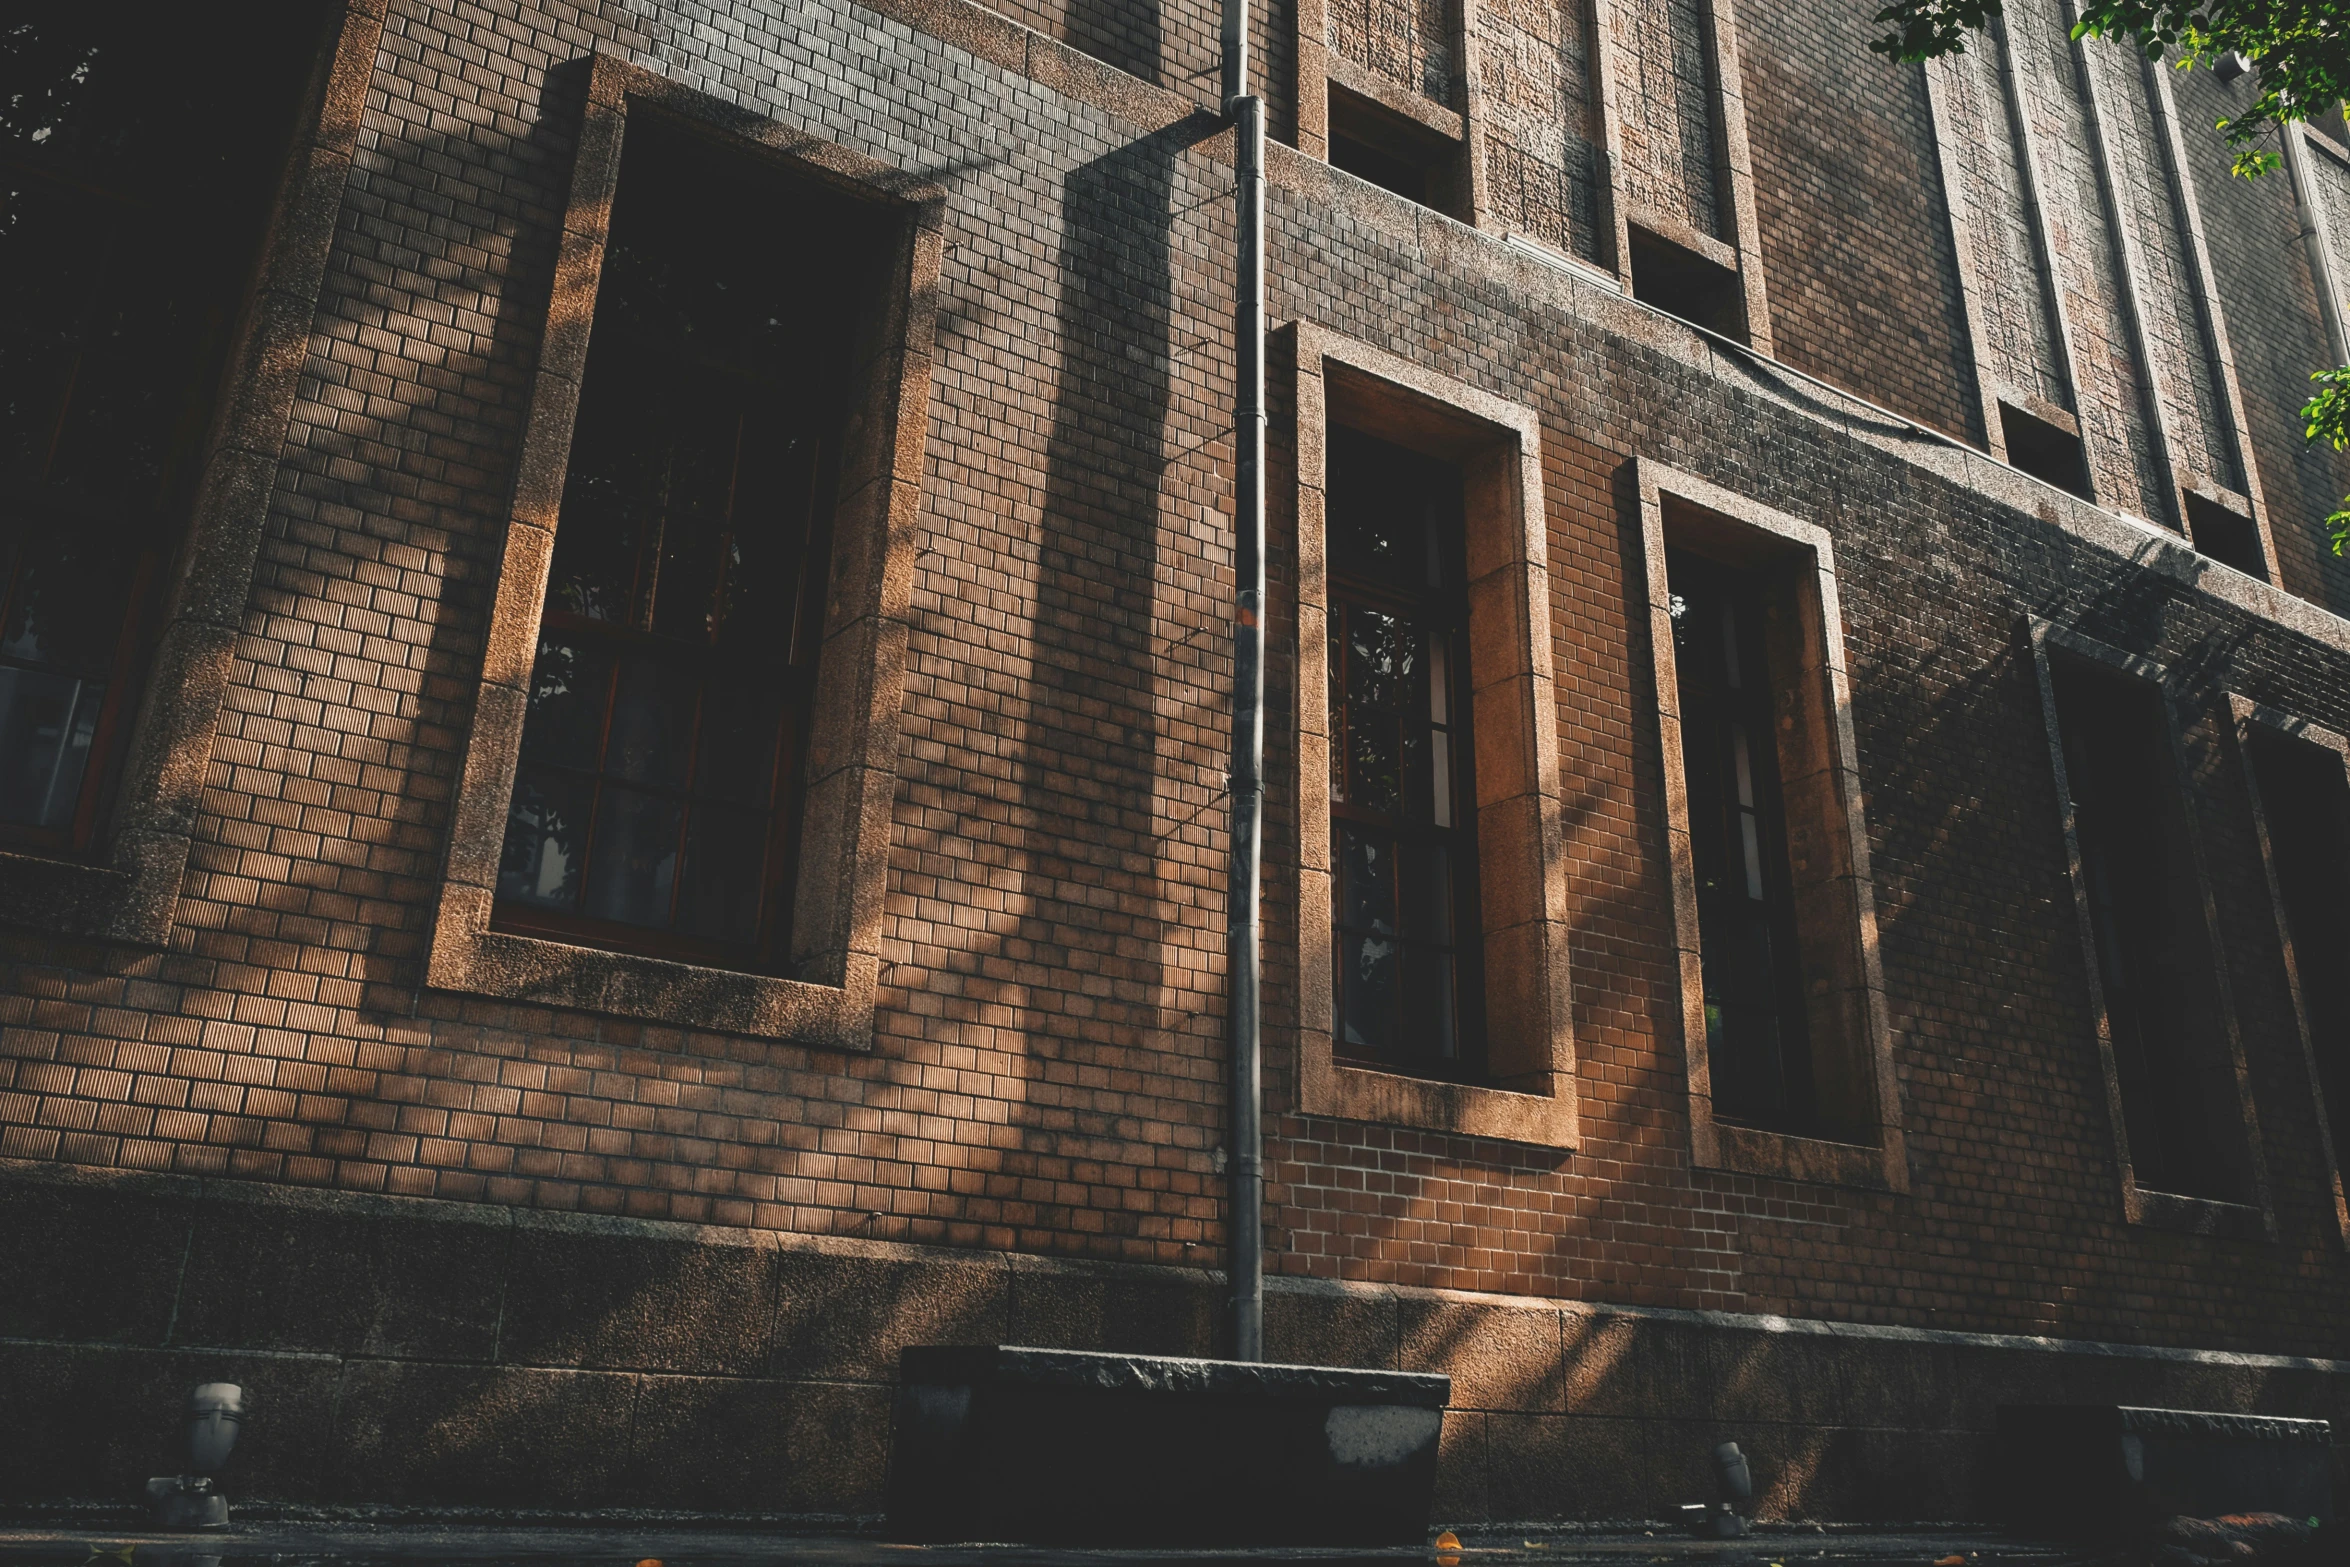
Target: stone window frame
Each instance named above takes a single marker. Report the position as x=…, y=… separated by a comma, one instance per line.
x=853, y=749
x=129, y=889
x=2250, y=715
x=1465, y=119
x=2145, y=1205
x=1733, y=524
x=1521, y=818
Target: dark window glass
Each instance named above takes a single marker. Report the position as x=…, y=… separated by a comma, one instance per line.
x=1402, y=806
x=2308, y=809
x=1758, y=1041
x=138, y=156
x=657, y=797
x=2118, y=769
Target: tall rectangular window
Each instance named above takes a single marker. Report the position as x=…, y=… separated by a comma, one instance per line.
x=1402, y=805
x=2304, y=798
x=1758, y=1038
x=2142, y=907
x=138, y=158
x=657, y=800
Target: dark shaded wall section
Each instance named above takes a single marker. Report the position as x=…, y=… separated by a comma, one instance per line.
x=1863, y=283
x=411, y=1351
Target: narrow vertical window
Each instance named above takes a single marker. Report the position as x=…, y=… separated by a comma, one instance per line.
x=137, y=163
x=2303, y=796
x=1409, y=986
x=1757, y=1035
x=656, y=802
x=2119, y=774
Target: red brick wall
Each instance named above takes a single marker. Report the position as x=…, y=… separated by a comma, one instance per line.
x=1047, y=1072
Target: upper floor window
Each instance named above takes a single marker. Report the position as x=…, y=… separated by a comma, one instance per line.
x=2307, y=806
x=656, y=804
x=2177, y=1094
x=1402, y=808
x=137, y=164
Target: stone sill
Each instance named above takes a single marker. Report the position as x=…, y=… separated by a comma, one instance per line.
x=1748, y=1150
x=658, y=990
x=1353, y=1093
x=2197, y=1215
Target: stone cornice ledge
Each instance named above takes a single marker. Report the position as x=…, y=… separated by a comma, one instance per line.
x=1443, y=242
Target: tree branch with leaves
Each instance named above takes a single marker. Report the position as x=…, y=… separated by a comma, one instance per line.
x=2298, y=53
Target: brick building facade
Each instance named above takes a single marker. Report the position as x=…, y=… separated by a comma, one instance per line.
x=348, y=1049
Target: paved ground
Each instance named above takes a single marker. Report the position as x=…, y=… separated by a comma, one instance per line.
x=636, y=1542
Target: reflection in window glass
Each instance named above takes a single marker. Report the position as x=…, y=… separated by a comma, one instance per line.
x=657, y=793
x=1408, y=982
x=112, y=137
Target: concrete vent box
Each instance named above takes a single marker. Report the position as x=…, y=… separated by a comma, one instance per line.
x=2114, y=1470
x=1072, y=1447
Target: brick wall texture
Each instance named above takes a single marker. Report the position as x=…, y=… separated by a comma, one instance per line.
x=1046, y=1075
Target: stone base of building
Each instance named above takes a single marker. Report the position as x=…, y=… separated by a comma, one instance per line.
x=400, y=1351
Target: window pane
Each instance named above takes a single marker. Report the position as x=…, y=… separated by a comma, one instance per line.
x=1367, y=980
x=1384, y=666
x=725, y=868
x=633, y=866
x=546, y=839
x=759, y=601
x=652, y=723
x=1375, y=747
x=1367, y=874
x=701, y=486
x=1427, y=893
x=1429, y=1031
x=72, y=589
x=569, y=688
x=740, y=727
x=46, y=724
x=611, y=499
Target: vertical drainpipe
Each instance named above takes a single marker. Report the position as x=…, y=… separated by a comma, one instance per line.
x=1244, y=1167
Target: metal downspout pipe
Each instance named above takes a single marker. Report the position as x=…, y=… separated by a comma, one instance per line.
x=1244, y=1163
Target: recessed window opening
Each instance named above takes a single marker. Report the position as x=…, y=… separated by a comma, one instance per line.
x=2307, y=804
x=1376, y=144
x=2177, y=1099
x=2045, y=450
x=657, y=801
x=2230, y=537
x=139, y=164
x=1410, y=983
x=1683, y=283
x=1758, y=1036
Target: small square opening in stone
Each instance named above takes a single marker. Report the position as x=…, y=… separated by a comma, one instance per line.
x=1376, y=144
x=2045, y=449
x=1681, y=282
x=2226, y=534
